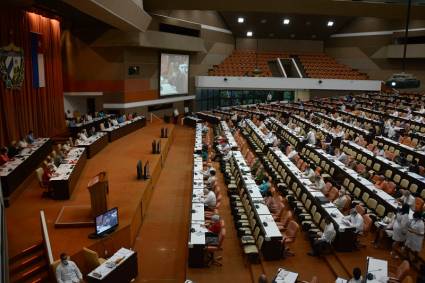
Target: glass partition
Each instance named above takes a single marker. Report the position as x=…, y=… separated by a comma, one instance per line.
x=208, y=99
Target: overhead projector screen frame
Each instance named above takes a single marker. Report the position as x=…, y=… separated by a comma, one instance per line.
x=161, y=95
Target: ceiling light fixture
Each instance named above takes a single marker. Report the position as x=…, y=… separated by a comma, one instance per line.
x=249, y=33
x=241, y=20
x=286, y=21
x=263, y=21
x=330, y=23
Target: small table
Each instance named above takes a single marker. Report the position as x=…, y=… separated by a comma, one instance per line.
x=378, y=268
x=285, y=276
x=125, y=271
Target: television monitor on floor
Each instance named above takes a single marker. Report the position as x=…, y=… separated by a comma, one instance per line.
x=107, y=222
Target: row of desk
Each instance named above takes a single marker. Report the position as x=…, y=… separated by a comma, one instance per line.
x=87, y=125
x=122, y=129
x=197, y=230
x=15, y=171
x=270, y=247
x=419, y=155
x=209, y=117
x=400, y=175
x=347, y=126
x=228, y=134
x=300, y=185
x=339, y=172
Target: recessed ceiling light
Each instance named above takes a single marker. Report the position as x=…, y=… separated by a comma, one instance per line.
x=241, y=20
x=292, y=35
x=286, y=21
x=263, y=21
x=330, y=23
x=307, y=23
x=271, y=34
x=249, y=33
x=313, y=36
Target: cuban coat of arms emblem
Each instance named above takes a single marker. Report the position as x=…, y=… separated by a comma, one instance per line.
x=12, y=66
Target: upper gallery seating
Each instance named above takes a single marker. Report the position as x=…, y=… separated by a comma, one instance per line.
x=325, y=67
x=316, y=65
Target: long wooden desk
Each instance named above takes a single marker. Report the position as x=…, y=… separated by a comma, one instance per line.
x=116, y=132
x=14, y=172
x=124, y=272
x=75, y=129
x=94, y=144
x=67, y=174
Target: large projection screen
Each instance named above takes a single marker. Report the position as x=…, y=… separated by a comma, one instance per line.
x=174, y=77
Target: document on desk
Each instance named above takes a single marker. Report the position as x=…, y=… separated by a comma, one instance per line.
x=108, y=266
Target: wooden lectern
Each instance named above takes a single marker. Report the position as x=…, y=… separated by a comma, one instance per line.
x=98, y=188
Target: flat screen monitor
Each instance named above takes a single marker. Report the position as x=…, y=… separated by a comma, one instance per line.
x=174, y=77
x=107, y=222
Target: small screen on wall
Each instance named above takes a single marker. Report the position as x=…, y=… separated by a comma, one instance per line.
x=133, y=70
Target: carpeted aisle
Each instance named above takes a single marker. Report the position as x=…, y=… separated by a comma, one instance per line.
x=162, y=240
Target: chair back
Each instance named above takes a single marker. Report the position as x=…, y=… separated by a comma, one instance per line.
x=292, y=231
x=419, y=203
x=360, y=209
x=53, y=267
x=367, y=223
x=314, y=280
x=39, y=172
x=347, y=204
x=333, y=194
x=403, y=270
x=91, y=257
x=221, y=237
x=287, y=216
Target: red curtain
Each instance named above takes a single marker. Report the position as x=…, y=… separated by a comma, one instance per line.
x=29, y=108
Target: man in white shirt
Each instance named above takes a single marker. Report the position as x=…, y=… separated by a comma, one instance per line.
x=341, y=200
x=341, y=156
x=212, y=179
x=408, y=199
x=324, y=239
x=292, y=153
x=311, y=137
x=309, y=173
x=319, y=184
x=210, y=199
x=391, y=132
x=208, y=170
x=67, y=271
x=356, y=220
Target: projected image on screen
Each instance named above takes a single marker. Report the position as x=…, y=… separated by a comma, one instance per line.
x=174, y=74
x=107, y=221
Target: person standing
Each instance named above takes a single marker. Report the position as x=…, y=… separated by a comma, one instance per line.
x=67, y=271
x=415, y=233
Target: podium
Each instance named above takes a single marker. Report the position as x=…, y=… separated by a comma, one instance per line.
x=98, y=188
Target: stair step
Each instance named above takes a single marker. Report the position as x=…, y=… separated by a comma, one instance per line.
x=336, y=266
x=20, y=265
x=26, y=252
x=29, y=273
x=42, y=278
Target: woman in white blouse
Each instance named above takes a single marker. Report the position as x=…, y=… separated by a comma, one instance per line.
x=415, y=233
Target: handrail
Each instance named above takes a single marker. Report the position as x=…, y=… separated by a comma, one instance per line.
x=282, y=70
x=45, y=235
x=4, y=262
x=296, y=66
x=153, y=115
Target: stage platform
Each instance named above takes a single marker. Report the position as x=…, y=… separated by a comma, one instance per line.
x=130, y=195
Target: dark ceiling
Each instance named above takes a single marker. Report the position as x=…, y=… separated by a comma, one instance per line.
x=270, y=25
